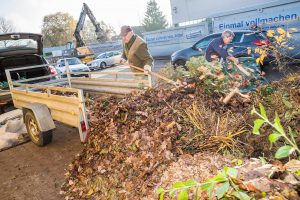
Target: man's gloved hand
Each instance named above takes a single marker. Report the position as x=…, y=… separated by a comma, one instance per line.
x=236, y=61
x=147, y=68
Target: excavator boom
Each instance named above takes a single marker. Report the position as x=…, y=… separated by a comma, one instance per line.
x=99, y=31
x=79, y=49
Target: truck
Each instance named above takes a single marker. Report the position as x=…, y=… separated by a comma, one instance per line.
x=78, y=47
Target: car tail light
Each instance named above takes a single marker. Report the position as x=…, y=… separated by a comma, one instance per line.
x=261, y=42
x=52, y=70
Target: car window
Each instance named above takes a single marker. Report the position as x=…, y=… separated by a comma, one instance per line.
x=250, y=37
x=117, y=53
x=237, y=37
x=61, y=63
x=110, y=54
x=8, y=45
x=73, y=61
x=205, y=41
x=101, y=56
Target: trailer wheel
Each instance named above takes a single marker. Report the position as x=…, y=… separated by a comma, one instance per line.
x=37, y=137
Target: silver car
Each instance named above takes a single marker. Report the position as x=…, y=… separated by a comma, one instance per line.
x=75, y=65
x=104, y=60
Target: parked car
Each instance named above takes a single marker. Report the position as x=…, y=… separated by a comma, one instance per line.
x=239, y=45
x=75, y=65
x=20, y=50
x=292, y=51
x=104, y=60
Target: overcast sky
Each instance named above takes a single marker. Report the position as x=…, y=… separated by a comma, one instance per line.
x=27, y=15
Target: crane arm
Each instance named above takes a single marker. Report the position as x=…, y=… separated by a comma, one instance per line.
x=99, y=31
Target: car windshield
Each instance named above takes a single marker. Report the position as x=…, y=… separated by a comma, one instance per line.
x=8, y=45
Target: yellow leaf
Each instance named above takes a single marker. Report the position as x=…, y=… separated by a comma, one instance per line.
x=91, y=191
x=270, y=33
x=291, y=48
x=280, y=39
x=288, y=35
x=257, y=60
x=291, y=78
x=281, y=31
x=261, y=59
x=256, y=50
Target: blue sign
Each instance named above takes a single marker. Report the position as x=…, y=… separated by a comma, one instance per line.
x=258, y=21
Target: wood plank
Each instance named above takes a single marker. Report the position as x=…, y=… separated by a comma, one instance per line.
x=61, y=89
x=51, y=97
x=109, y=90
x=52, y=104
x=111, y=73
x=109, y=80
x=33, y=79
x=77, y=84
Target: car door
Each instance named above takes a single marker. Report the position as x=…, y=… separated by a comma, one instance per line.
x=236, y=47
x=116, y=57
x=60, y=67
x=202, y=44
x=109, y=58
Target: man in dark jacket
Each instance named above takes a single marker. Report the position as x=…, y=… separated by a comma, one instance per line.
x=135, y=49
x=217, y=49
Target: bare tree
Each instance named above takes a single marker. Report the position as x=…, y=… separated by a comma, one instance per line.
x=6, y=26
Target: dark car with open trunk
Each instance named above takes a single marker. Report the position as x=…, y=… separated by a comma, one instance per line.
x=20, y=50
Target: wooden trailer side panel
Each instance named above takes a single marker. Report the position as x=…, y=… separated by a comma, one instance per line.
x=63, y=109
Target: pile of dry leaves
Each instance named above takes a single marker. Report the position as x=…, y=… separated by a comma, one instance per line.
x=135, y=139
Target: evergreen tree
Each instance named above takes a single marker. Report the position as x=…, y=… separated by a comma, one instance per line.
x=154, y=18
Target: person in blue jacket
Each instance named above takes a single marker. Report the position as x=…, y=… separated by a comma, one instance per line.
x=217, y=49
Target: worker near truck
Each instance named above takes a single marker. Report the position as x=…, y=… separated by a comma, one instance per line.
x=243, y=77
x=217, y=49
x=135, y=49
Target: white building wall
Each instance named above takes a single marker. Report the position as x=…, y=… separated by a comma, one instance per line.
x=164, y=42
x=189, y=10
x=268, y=17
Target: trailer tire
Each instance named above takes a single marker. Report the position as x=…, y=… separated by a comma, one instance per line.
x=37, y=137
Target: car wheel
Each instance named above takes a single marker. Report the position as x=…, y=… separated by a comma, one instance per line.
x=37, y=137
x=179, y=63
x=102, y=65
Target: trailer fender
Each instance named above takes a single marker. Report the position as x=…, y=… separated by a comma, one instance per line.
x=42, y=116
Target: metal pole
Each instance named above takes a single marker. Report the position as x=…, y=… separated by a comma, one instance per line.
x=68, y=72
x=9, y=81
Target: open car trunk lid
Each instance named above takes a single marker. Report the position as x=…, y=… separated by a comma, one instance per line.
x=20, y=43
